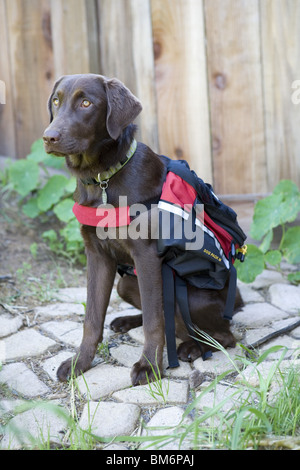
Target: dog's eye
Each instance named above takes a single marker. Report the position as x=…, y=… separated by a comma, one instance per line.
x=55, y=101
x=86, y=104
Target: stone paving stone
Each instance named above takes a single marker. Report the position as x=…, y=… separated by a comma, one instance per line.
x=256, y=372
x=257, y=334
x=182, y=372
x=9, y=325
x=278, y=325
x=41, y=424
x=9, y=406
x=286, y=341
x=258, y=314
x=52, y=364
x=173, y=392
x=67, y=331
x=22, y=380
x=295, y=333
x=120, y=313
x=266, y=278
x=59, y=309
x=286, y=297
x=126, y=354
x=137, y=334
x=170, y=418
x=26, y=343
x=72, y=294
x=248, y=294
x=219, y=362
x=102, y=380
x=220, y=393
x=108, y=419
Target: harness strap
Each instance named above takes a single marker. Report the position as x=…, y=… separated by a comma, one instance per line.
x=175, y=288
x=230, y=301
x=169, y=313
x=182, y=299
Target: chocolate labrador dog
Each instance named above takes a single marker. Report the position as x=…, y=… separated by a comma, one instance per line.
x=91, y=127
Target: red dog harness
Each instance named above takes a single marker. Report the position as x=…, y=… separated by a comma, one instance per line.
x=102, y=216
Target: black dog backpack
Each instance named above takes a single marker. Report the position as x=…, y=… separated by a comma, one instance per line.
x=199, y=239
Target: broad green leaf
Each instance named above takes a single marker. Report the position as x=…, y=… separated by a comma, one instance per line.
x=50, y=235
x=287, y=188
x=71, y=232
x=252, y=266
x=294, y=277
x=24, y=176
x=38, y=154
x=267, y=215
x=71, y=185
x=290, y=199
x=63, y=210
x=281, y=207
x=52, y=192
x=31, y=208
x=273, y=257
x=265, y=245
x=290, y=245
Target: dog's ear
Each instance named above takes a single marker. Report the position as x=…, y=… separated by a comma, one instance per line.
x=122, y=107
x=51, y=97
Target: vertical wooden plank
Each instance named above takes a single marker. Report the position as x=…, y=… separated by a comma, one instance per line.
x=30, y=51
x=127, y=54
x=236, y=101
x=280, y=25
x=7, y=125
x=181, y=81
x=74, y=26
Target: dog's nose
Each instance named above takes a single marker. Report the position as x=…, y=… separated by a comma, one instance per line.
x=51, y=136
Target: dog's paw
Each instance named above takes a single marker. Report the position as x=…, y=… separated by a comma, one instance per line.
x=124, y=324
x=142, y=373
x=189, y=351
x=73, y=366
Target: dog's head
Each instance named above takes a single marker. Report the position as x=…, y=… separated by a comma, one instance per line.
x=85, y=109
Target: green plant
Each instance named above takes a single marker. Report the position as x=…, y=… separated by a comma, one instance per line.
x=42, y=193
x=158, y=389
x=276, y=210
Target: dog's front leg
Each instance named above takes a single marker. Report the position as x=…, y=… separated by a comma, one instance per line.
x=150, y=285
x=101, y=272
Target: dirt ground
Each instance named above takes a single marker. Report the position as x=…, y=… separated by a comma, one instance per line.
x=28, y=279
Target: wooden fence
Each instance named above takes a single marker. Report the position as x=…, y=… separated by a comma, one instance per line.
x=215, y=77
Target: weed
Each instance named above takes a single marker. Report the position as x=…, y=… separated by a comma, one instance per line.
x=158, y=389
x=276, y=210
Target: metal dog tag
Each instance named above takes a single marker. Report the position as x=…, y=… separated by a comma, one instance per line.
x=104, y=186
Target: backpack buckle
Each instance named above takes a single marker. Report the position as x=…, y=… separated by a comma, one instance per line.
x=241, y=253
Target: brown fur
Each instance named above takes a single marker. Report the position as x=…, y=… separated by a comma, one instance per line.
x=92, y=138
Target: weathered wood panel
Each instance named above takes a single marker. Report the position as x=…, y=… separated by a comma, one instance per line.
x=236, y=101
x=7, y=125
x=31, y=64
x=215, y=77
x=127, y=53
x=280, y=25
x=74, y=36
x=181, y=82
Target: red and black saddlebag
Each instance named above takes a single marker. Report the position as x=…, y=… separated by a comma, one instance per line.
x=199, y=240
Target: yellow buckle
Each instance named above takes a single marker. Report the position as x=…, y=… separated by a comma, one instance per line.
x=243, y=249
